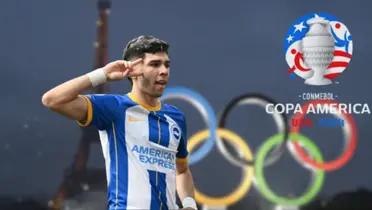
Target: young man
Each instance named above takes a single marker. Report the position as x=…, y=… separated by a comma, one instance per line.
x=143, y=141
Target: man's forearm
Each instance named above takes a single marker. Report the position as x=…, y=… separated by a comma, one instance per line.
x=66, y=91
x=185, y=184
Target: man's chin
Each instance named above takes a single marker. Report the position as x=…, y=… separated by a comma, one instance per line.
x=157, y=93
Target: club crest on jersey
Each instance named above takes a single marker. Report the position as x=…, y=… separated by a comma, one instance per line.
x=176, y=132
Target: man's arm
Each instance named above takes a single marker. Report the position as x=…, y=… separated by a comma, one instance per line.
x=65, y=99
x=184, y=181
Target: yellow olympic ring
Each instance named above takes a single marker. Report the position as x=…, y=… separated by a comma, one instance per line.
x=246, y=182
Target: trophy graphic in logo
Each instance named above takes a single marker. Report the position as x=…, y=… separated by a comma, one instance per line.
x=318, y=48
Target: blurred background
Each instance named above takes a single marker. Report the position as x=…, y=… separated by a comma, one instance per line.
x=221, y=49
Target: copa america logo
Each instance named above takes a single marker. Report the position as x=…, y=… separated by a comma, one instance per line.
x=318, y=48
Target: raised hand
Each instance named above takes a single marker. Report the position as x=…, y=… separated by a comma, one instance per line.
x=118, y=70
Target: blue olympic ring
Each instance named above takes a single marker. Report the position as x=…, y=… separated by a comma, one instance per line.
x=207, y=113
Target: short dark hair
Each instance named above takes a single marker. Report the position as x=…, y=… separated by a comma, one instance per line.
x=137, y=47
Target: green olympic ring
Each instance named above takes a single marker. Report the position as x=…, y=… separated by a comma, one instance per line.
x=262, y=185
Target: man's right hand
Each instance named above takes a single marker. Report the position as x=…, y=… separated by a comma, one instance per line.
x=118, y=70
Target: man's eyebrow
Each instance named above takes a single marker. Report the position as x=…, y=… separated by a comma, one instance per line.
x=154, y=61
x=159, y=61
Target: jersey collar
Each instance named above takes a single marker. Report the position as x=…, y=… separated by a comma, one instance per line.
x=144, y=105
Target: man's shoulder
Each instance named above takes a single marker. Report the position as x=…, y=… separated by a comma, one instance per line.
x=173, y=111
x=117, y=99
x=172, y=108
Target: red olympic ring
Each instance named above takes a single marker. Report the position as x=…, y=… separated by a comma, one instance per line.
x=333, y=164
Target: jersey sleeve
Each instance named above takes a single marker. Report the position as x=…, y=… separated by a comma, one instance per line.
x=182, y=147
x=101, y=110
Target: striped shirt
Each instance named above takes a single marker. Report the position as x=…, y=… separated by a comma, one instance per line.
x=140, y=145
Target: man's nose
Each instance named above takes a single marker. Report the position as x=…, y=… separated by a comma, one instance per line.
x=164, y=70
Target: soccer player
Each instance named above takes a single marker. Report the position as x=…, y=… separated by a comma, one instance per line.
x=143, y=140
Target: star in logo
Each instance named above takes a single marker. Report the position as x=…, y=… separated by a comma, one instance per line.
x=299, y=27
x=290, y=38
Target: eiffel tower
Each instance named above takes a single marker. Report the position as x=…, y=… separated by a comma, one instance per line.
x=78, y=178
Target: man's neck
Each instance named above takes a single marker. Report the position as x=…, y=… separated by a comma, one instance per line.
x=145, y=98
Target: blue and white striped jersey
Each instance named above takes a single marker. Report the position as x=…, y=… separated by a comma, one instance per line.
x=140, y=145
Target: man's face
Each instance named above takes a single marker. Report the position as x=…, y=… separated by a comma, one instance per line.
x=155, y=68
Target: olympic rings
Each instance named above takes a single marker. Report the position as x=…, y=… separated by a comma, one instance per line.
x=350, y=133
x=260, y=180
x=280, y=120
x=207, y=112
x=246, y=182
x=314, y=162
